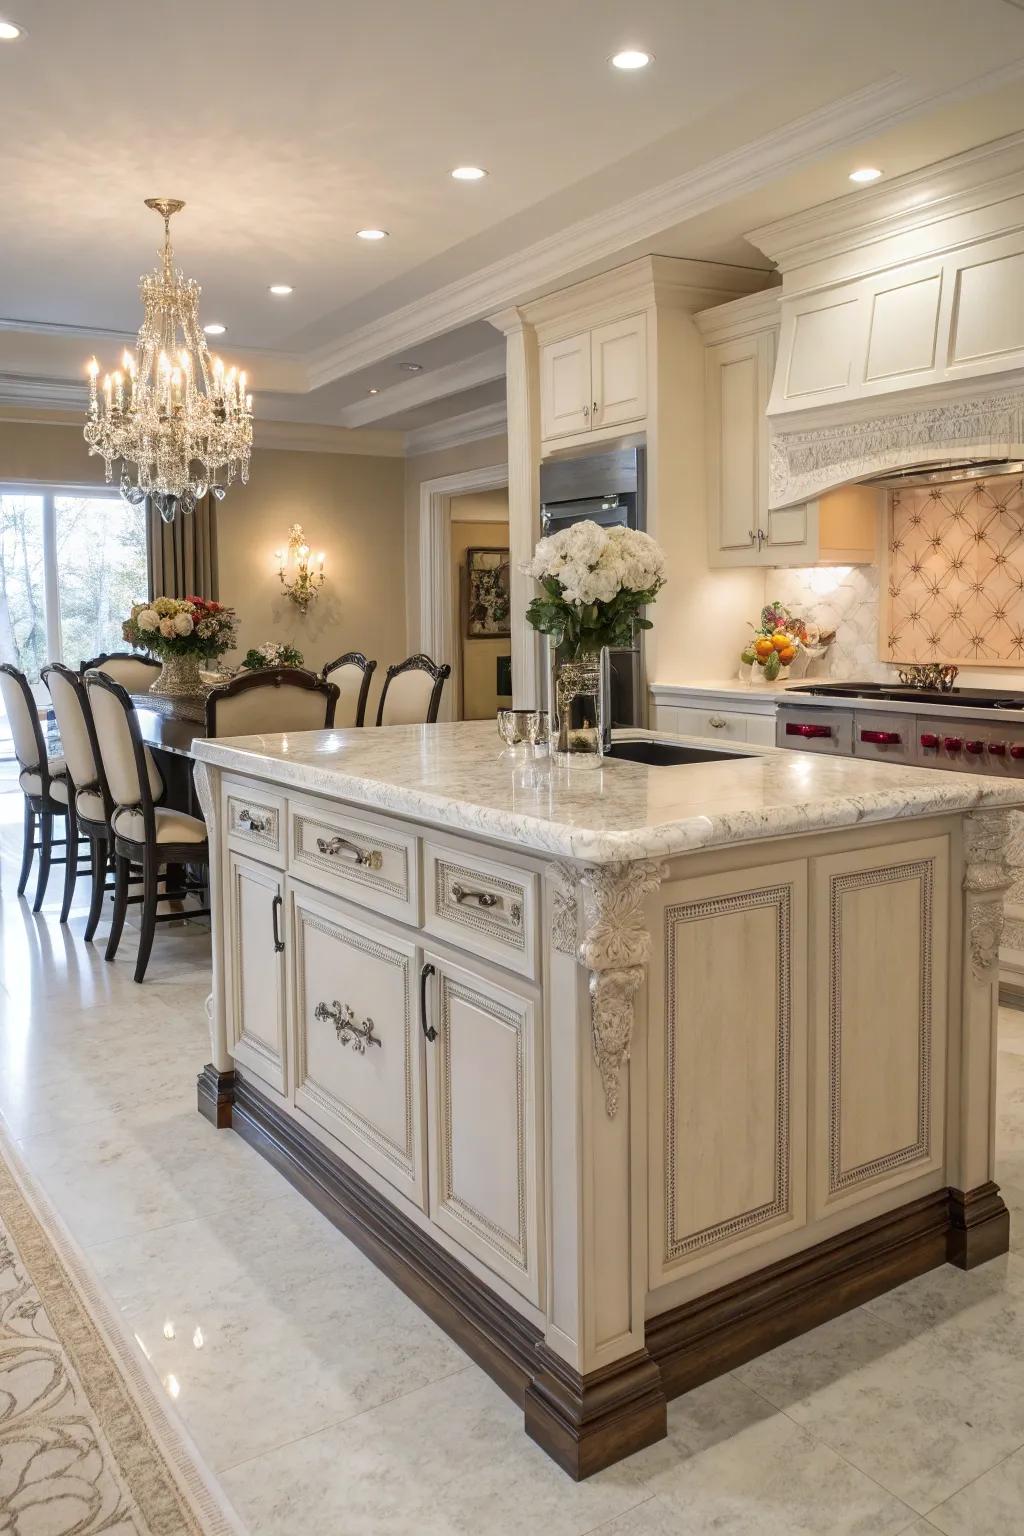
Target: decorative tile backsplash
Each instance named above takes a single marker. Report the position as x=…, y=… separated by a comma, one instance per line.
x=840, y=597
x=956, y=573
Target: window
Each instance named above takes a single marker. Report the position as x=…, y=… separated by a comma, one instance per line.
x=71, y=565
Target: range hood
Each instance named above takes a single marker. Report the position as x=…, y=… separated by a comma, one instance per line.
x=901, y=341
x=946, y=472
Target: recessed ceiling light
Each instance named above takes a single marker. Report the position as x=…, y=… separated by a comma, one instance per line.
x=372, y=234
x=8, y=32
x=373, y=391
x=469, y=173
x=865, y=173
x=411, y=367
x=281, y=290
x=631, y=58
x=214, y=328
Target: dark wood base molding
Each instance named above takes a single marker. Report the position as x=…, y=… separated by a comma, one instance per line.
x=979, y=1226
x=215, y=1094
x=588, y=1422
x=1011, y=996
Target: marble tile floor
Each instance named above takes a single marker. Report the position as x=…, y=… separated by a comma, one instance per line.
x=330, y=1406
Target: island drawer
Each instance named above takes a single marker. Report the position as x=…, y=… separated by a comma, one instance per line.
x=481, y=905
x=254, y=818
x=355, y=856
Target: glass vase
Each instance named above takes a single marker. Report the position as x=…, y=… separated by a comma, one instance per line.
x=578, y=694
x=179, y=676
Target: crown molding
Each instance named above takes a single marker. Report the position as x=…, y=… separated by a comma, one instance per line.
x=438, y=384
x=603, y=235
x=311, y=437
x=741, y=317
x=488, y=421
x=54, y=394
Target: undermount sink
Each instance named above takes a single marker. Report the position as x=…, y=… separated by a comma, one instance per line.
x=668, y=754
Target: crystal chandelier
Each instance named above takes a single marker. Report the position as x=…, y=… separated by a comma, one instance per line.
x=179, y=424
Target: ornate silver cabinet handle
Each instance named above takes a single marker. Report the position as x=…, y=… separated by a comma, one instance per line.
x=254, y=823
x=486, y=900
x=347, y=1027
x=716, y=722
x=366, y=858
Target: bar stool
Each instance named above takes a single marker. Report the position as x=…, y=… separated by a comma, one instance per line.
x=351, y=674
x=43, y=782
x=412, y=691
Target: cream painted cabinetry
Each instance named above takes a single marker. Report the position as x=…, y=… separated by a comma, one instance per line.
x=483, y=1115
x=255, y=987
x=839, y=529
x=595, y=379
x=719, y=716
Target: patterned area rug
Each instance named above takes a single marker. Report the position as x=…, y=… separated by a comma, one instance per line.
x=86, y=1443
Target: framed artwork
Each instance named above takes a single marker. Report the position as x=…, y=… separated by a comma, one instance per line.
x=487, y=594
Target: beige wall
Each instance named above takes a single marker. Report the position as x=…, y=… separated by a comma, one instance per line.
x=480, y=698
x=433, y=466
x=351, y=507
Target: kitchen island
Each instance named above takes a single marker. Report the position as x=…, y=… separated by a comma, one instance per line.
x=624, y=1074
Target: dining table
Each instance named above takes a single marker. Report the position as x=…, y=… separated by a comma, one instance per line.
x=169, y=724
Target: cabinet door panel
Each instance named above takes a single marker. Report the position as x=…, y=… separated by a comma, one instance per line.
x=256, y=973
x=619, y=368
x=728, y=1066
x=357, y=1047
x=565, y=386
x=879, y=982
x=483, y=1111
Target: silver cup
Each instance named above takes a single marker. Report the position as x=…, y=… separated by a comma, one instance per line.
x=523, y=727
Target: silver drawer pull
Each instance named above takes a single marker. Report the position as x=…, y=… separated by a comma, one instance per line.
x=716, y=722
x=487, y=901
x=347, y=1027
x=366, y=858
x=254, y=823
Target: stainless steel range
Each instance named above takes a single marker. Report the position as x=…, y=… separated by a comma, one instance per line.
x=972, y=730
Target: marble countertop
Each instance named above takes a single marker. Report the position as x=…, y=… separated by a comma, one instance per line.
x=461, y=777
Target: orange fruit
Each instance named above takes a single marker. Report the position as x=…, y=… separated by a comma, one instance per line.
x=787, y=655
x=782, y=642
x=764, y=646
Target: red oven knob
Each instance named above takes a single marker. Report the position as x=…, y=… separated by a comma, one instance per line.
x=808, y=730
x=953, y=743
x=1017, y=750
x=882, y=738
x=929, y=739
x=997, y=749
x=975, y=748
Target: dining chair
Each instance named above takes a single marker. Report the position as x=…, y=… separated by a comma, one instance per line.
x=145, y=834
x=271, y=700
x=43, y=782
x=352, y=674
x=412, y=691
x=128, y=668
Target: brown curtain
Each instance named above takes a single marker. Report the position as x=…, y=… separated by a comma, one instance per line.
x=183, y=554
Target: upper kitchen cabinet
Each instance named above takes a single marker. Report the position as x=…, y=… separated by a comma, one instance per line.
x=594, y=380
x=743, y=529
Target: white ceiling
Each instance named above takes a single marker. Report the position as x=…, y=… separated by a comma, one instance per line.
x=286, y=129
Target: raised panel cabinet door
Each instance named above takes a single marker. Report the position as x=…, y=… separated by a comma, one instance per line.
x=483, y=1111
x=358, y=1051
x=619, y=371
x=565, y=397
x=256, y=988
x=727, y=1057
x=878, y=971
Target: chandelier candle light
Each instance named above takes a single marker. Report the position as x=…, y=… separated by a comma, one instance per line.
x=178, y=422
x=309, y=578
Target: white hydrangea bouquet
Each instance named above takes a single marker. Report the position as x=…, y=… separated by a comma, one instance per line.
x=595, y=582
x=181, y=626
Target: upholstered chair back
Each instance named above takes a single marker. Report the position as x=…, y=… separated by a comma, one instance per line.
x=70, y=702
x=22, y=717
x=351, y=674
x=135, y=673
x=412, y=692
x=280, y=699
x=112, y=713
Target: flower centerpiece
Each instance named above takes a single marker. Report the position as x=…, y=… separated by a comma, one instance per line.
x=182, y=631
x=595, y=583
x=272, y=653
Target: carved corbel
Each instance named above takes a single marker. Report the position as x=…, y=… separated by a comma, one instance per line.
x=615, y=949
x=987, y=878
x=564, y=908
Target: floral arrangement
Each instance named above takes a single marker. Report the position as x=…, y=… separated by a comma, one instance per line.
x=595, y=581
x=779, y=638
x=271, y=654
x=181, y=626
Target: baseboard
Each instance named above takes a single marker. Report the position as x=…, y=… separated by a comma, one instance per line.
x=1011, y=995
x=589, y=1422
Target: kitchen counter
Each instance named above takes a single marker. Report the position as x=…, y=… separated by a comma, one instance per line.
x=623, y=1074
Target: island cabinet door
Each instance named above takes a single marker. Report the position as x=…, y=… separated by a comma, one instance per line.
x=256, y=989
x=727, y=1061
x=358, y=1050
x=483, y=1108
x=878, y=964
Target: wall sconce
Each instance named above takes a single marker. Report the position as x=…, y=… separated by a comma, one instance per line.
x=303, y=588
